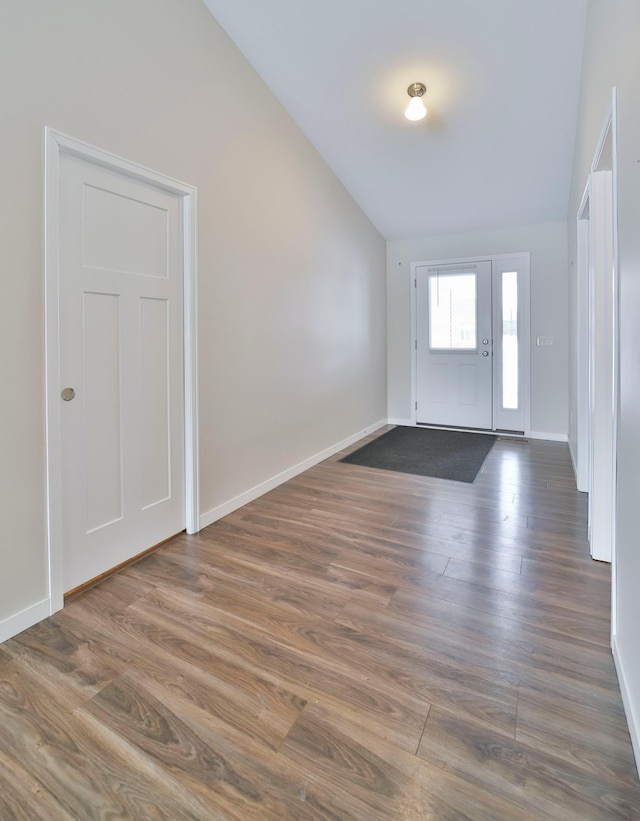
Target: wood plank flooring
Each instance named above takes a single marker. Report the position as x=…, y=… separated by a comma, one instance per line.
x=356, y=644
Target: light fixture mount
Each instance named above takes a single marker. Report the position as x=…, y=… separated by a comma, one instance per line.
x=416, y=89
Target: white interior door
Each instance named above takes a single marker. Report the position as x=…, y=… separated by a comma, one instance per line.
x=121, y=367
x=454, y=345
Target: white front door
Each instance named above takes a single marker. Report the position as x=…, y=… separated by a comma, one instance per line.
x=121, y=367
x=454, y=345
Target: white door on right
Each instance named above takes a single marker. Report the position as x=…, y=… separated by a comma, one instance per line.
x=454, y=346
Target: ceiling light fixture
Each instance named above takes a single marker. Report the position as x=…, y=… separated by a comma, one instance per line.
x=416, y=110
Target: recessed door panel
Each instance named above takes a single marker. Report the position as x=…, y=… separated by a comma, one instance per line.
x=103, y=423
x=438, y=382
x=468, y=394
x=124, y=234
x=155, y=426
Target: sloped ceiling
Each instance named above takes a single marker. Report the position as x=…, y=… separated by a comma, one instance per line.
x=502, y=77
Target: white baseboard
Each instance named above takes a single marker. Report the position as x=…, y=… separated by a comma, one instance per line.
x=573, y=462
x=549, y=437
x=242, y=499
x=404, y=422
x=633, y=720
x=18, y=622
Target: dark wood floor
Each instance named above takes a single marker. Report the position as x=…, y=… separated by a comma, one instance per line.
x=357, y=644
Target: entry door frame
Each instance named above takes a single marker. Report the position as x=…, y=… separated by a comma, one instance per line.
x=521, y=261
x=55, y=144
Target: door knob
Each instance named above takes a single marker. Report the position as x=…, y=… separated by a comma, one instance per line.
x=485, y=353
x=68, y=394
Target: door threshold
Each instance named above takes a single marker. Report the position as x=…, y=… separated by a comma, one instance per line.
x=455, y=427
x=501, y=433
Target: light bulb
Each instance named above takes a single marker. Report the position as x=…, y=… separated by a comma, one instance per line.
x=415, y=110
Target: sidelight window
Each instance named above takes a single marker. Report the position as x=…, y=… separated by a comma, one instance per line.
x=510, y=340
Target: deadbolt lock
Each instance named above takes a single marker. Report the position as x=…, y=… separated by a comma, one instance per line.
x=68, y=394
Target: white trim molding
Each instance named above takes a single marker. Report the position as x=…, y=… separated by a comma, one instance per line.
x=574, y=463
x=18, y=622
x=56, y=144
x=582, y=457
x=242, y=499
x=633, y=719
x=603, y=347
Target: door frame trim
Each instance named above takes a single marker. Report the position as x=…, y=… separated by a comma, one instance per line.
x=582, y=336
x=55, y=144
x=525, y=258
x=603, y=494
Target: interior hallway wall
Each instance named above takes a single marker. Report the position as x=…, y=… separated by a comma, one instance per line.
x=549, y=310
x=612, y=58
x=292, y=340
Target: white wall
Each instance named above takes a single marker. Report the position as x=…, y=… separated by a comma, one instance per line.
x=612, y=58
x=291, y=273
x=549, y=293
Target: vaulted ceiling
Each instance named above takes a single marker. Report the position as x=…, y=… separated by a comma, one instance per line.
x=503, y=81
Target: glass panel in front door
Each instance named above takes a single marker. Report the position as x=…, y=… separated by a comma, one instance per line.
x=452, y=312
